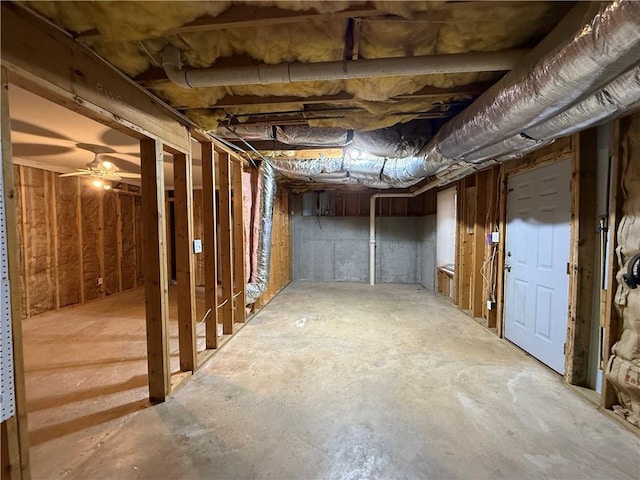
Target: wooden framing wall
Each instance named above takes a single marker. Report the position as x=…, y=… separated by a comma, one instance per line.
x=77, y=243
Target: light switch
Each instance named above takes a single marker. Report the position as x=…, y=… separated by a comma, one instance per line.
x=197, y=246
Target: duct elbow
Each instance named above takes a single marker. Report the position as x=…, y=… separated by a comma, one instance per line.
x=172, y=66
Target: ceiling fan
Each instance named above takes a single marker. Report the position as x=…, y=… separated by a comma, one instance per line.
x=101, y=172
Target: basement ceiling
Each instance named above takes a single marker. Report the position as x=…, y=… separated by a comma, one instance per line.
x=51, y=137
x=133, y=35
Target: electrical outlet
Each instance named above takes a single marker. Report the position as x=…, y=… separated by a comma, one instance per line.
x=495, y=237
x=99, y=281
x=489, y=305
x=197, y=246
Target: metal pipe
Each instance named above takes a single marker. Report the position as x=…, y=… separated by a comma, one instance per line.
x=338, y=70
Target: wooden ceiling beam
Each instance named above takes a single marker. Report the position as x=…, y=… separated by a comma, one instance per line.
x=242, y=16
x=342, y=98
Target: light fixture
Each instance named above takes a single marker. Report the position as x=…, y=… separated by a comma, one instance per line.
x=97, y=183
x=107, y=165
x=106, y=186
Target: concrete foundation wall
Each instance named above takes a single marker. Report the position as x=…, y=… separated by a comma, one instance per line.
x=336, y=249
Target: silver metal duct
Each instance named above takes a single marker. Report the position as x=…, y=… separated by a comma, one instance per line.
x=339, y=70
x=266, y=189
x=312, y=136
x=619, y=96
x=605, y=42
x=388, y=142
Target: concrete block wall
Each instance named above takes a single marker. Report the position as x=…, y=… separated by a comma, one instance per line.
x=336, y=249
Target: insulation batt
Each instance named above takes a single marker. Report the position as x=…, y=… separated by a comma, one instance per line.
x=126, y=27
x=623, y=369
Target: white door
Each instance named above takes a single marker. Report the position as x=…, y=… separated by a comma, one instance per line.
x=536, y=260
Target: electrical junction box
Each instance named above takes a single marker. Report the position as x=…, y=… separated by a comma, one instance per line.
x=495, y=237
x=197, y=246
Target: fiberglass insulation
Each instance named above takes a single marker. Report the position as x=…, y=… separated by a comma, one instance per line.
x=132, y=36
x=623, y=370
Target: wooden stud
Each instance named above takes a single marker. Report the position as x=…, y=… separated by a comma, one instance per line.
x=79, y=234
x=583, y=232
x=478, y=302
x=238, y=246
x=612, y=321
x=185, y=262
x=155, y=268
x=55, y=243
x=25, y=243
x=209, y=243
x=14, y=430
x=226, y=247
x=119, y=240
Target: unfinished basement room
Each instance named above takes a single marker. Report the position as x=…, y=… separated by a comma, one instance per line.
x=320, y=239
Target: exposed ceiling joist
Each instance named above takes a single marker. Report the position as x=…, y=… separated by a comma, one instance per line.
x=342, y=98
x=242, y=16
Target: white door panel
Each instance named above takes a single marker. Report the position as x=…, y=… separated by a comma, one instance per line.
x=537, y=253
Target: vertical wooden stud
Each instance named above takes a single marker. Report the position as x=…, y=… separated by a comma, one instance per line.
x=612, y=321
x=186, y=297
x=155, y=268
x=118, y=200
x=79, y=233
x=238, y=245
x=226, y=247
x=15, y=434
x=209, y=243
x=25, y=244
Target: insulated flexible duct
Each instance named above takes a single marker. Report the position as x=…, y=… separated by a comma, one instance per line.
x=605, y=42
x=266, y=189
x=617, y=97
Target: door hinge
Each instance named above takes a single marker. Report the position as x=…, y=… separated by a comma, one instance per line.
x=564, y=349
x=568, y=268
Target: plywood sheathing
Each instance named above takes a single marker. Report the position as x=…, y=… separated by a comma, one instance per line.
x=623, y=369
x=132, y=35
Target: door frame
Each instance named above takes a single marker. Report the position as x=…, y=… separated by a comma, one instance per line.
x=579, y=148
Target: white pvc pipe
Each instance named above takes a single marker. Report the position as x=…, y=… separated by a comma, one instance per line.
x=446, y=176
x=339, y=70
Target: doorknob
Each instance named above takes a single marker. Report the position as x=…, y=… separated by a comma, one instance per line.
x=507, y=267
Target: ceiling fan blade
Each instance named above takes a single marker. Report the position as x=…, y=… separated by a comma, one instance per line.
x=128, y=175
x=75, y=174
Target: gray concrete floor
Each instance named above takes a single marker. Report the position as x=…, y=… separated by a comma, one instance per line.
x=349, y=381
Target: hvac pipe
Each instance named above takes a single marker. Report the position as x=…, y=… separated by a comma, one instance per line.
x=604, y=42
x=448, y=175
x=616, y=98
x=339, y=70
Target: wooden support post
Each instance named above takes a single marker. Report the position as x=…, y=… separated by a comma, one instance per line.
x=183, y=211
x=55, y=247
x=583, y=233
x=155, y=268
x=238, y=246
x=25, y=243
x=79, y=233
x=226, y=247
x=502, y=228
x=612, y=321
x=118, y=201
x=14, y=431
x=209, y=243
x=478, y=301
